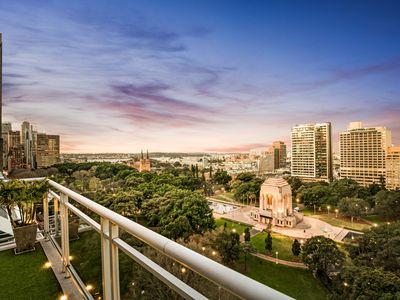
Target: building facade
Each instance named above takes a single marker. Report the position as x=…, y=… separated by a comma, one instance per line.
x=312, y=152
x=47, y=150
x=363, y=153
x=5, y=129
x=266, y=162
x=143, y=164
x=279, y=154
x=275, y=204
x=393, y=168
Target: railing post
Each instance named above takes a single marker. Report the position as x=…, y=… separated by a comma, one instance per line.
x=114, y=262
x=109, y=260
x=55, y=202
x=46, y=224
x=64, y=234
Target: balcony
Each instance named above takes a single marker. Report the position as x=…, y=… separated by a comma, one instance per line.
x=94, y=264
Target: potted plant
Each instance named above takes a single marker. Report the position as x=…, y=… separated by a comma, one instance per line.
x=20, y=199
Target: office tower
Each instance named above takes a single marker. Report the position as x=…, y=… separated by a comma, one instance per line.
x=280, y=154
x=393, y=168
x=15, y=151
x=1, y=100
x=312, y=152
x=47, y=150
x=363, y=153
x=266, y=163
x=28, y=143
x=5, y=129
x=13, y=139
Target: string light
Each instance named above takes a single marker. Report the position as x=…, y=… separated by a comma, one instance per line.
x=89, y=287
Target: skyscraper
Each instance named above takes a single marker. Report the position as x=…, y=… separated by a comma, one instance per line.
x=393, y=168
x=363, y=153
x=312, y=152
x=47, y=150
x=280, y=154
x=1, y=101
x=28, y=143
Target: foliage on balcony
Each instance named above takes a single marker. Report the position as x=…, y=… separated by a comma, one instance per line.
x=22, y=197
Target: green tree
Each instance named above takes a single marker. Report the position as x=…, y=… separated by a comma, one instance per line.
x=317, y=195
x=366, y=283
x=295, y=184
x=322, y=256
x=245, y=190
x=296, y=248
x=228, y=245
x=388, y=204
x=247, y=234
x=346, y=188
x=221, y=177
x=187, y=210
x=378, y=247
x=245, y=177
x=247, y=249
x=353, y=207
x=268, y=242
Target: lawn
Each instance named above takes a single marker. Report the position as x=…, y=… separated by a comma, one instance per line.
x=297, y=283
x=280, y=243
x=228, y=197
x=375, y=219
x=24, y=276
x=232, y=225
x=358, y=225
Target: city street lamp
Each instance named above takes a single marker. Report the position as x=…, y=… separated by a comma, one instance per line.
x=336, y=211
x=328, y=209
x=276, y=260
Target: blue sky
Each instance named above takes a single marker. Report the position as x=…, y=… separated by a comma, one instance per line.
x=198, y=75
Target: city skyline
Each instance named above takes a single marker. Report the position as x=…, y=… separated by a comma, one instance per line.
x=205, y=77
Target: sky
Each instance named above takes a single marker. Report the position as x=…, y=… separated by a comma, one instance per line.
x=217, y=76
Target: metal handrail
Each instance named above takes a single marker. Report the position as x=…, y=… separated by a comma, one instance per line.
x=240, y=285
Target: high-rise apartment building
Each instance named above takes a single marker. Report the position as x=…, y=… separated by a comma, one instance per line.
x=393, y=168
x=363, y=153
x=279, y=154
x=47, y=150
x=266, y=162
x=312, y=152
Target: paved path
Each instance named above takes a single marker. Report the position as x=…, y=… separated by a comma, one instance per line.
x=280, y=261
x=317, y=227
x=68, y=285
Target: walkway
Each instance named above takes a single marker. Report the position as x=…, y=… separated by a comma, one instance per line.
x=68, y=285
x=280, y=261
x=317, y=227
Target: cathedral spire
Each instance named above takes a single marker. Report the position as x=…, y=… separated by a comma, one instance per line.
x=147, y=154
x=141, y=154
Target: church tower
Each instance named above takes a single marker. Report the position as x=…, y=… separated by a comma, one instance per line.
x=145, y=164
